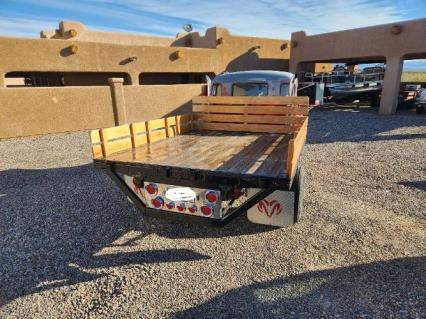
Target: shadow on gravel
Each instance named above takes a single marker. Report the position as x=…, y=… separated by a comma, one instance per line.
x=328, y=126
x=54, y=220
x=414, y=184
x=385, y=289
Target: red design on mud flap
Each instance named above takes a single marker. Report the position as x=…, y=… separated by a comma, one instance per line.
x=269, y=208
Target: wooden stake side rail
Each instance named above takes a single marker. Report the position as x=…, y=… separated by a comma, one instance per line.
x=295, y=147
x=278, y=115
x=111, y=140
x=269, y=114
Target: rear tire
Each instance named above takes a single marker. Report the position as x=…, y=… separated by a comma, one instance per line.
x=298, y=189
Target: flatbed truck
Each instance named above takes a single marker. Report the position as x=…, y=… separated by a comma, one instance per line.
x=231, y=155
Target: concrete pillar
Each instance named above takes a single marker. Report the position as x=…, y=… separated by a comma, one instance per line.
x=134, y=78
x=390, y=90
x=118, y=101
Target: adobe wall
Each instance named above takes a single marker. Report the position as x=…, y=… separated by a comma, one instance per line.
x=33, y=111
x=392, y=43
x=74, y=48
x=215, y=52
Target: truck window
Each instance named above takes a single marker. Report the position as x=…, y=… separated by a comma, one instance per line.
x=284, y=89
x=216, y=90
x=250, y=89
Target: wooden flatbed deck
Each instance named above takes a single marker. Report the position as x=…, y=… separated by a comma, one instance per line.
x=257, y=154
x=251, y=140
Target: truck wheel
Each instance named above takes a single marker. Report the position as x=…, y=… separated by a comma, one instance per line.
x=298, y=188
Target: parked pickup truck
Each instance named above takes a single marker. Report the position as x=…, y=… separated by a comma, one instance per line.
x=230, y=156
x=255, y=83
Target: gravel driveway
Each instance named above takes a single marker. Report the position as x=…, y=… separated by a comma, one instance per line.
x=69, y=247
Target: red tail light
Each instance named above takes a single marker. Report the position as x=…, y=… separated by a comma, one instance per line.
x=170, y=205
x=193, y=208
x=206, y=210
x=157, y=202
x=211, y=197
x=151, y=188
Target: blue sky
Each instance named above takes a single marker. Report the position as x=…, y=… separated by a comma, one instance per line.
x=265, y=18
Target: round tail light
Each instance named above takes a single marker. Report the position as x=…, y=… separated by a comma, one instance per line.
x=193, y=208
x=157, y=202
x=151, y=188
x=206, y=210
x=170, y=205
x=181, y=207
x=211, y=197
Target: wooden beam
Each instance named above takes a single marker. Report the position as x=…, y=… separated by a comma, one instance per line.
x=295, y=147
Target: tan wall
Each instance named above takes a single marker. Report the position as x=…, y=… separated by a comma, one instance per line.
x=150, y=102
x=228, y=53
x=364, y=44
x=52, y=55
x=32, y=111
x=392, y=43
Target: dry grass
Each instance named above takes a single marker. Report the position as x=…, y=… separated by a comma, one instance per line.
x=416, y=77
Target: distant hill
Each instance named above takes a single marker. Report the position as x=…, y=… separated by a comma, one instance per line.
x=413, y=76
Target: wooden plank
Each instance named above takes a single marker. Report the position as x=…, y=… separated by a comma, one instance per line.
x=138, y=131
x=115, y=139
x=156, y=124
x=117, y=146
x=115, y=132
x=247, y=100
x=265, y=119
x=183, y=123
x=171, y=126
x=171, y=120
x=156, y=130
x=233, y=152
x=95, y=138
x=252, y=109
x=138, y=140
x=157, y=135
x=282, y=129
x=138, y=127
x=295, y=149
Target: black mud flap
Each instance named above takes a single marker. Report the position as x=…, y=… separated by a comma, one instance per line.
x=298, y=188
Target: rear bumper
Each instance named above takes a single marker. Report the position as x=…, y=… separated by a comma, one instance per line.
x=288, y=198
x=217, y=222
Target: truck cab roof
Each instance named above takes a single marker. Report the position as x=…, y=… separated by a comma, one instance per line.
x=255, y=76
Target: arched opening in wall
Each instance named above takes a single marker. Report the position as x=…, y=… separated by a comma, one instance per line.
x=350, y=82
x=167, y=78
x=52, y=79
x=412, y=93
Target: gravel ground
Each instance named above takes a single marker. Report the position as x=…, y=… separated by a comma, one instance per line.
x=69, y=248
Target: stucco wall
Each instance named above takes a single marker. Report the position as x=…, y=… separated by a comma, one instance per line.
x=363, y=44
x=229, y=53
x=32, y=111
x=149, y=102
x=29, y=111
